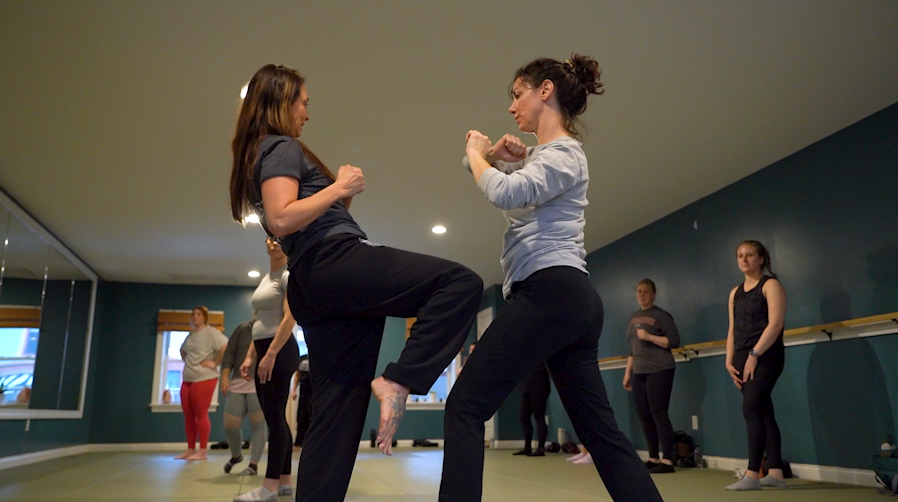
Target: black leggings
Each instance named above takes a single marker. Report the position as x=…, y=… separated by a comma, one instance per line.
x=341, y=292
x=652, y=394
x=757, y=407
x=273, y=396
x=534, y=403
x=556, y=316
x=303, y=407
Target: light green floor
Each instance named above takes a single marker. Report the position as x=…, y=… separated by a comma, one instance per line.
x=412, y=474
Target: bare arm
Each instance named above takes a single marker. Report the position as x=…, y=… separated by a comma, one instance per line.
x=628, y=373
x=247, y=363
x=731, y=345
x=776, y=315
x=285, y=214
x=284, y=332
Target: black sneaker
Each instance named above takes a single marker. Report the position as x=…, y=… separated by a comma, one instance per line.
x=525, y=451
x=649, y=464
x=231, y=463
x=538, y=453
x=662, y=468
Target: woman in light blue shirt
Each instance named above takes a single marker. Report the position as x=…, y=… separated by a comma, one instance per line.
x=552, y=313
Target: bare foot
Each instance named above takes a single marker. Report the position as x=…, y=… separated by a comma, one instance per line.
x=577, y=456
x=186, y=454
x=392, y=398
x=586, y=459
x=199, y=455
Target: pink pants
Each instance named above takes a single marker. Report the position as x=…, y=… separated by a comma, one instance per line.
x=195, y=400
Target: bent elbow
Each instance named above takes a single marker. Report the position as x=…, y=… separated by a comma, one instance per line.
x=277, y=228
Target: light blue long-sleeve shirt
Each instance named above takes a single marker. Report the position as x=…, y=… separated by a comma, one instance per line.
x=543, y=197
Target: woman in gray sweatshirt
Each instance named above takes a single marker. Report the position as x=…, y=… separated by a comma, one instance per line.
x=552, y=313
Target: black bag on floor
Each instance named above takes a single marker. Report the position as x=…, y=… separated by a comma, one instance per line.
x=683, y=454
x=886, y=469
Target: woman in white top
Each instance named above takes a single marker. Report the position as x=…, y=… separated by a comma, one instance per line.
x=202, y=352
x=278, y=356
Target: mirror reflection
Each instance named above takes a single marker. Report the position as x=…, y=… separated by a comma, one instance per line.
x=45, y=311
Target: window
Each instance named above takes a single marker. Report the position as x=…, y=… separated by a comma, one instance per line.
x=172, y=365
x=441, y=388
x=439, y=391
x=18, y=349
x=300, y=340
x=173, y=327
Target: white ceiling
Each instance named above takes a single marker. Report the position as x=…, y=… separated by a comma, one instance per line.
x=117, y=115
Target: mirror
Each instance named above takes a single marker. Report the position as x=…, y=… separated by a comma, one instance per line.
x=47, y=298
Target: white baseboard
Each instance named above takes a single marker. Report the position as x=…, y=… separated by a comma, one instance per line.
x=41, y=456
x=825, y=473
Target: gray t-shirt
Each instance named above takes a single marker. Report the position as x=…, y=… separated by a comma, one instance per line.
x=543, y=197
x=283, y=156
x=201, y=345
x=647, y=356
x=268, y=302
x=235, y=353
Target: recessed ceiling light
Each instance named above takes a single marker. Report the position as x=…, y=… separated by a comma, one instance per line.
x=253, y=218
x=439, y=229
x=243, y=90
x=253, y=273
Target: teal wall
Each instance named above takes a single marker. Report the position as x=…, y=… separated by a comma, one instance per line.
x=828, y=215
x=126, y=353
x=50, y=434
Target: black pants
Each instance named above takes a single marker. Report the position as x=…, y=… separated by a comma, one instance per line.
x=303, y=407
x=534, y=403
x=273, y=396
x=553, y=315
x=340, y=292
x=757, y=407
x=652, y=394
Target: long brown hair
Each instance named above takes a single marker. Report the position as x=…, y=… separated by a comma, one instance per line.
x=265, y=110
x=574, y=79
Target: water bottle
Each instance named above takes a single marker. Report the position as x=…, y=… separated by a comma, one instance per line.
x=697, y=456
x=562, y=436
x=887, y=447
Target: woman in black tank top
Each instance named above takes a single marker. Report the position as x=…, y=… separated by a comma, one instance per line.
x=755, y=359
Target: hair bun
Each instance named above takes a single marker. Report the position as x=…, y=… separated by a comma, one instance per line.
x=587, y=71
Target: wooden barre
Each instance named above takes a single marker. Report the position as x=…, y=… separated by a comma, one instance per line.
x=820, y=328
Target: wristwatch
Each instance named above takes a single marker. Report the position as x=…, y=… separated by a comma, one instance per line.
x=754, y=353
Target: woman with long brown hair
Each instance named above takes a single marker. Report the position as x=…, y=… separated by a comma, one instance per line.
x=341, y=286
x=755, y=360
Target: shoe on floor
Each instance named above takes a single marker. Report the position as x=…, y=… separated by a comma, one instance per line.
x=260, y=494
x=285, y=490
x=525, y=451
x=232, y=462
x=662, y=468
x=251, y=470
x=744, y=484
x=221, y=445
x=244, y=445
x=649, y=464
x=538, y=453
x=772, y=482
